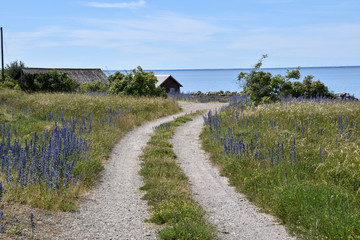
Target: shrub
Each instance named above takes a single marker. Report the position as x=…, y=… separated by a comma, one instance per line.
x=93, y=86
x=137, y=82
x=53, y=81
x=116, y=76
x=8, y=83
x=14, y=68
x=263, y=87
x=11, y=70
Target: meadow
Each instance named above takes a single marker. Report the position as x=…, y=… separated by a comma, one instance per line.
x=53, y=145
x=298, y=160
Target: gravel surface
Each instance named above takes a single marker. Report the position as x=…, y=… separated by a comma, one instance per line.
x=114, y=209
x=231, y=212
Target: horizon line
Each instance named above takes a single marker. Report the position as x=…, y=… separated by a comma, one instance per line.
x=196, y=69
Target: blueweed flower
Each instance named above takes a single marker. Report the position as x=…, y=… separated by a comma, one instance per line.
x=32, y=222
x=302, y=130
x=346, y=121
x=43, y=159
x=293, y=154
x=1, y=190
x=251, y=145
x=15, y=219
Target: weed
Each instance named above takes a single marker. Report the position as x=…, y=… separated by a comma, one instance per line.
x=298, y=160
x=168, y=191
x=52, y=146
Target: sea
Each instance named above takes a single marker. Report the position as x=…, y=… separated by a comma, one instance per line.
x=337, y=79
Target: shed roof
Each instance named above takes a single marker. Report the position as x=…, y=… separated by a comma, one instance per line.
x=81, y=75
x=162, y=78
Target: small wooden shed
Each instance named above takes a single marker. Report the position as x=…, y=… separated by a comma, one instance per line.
x=80, y=75
x=169, y=83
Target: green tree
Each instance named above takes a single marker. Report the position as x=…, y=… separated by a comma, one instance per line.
x=297, y=89
x=14, y=68
x=262, y=87
x=137, y=83
x=318, y=89
x=11, y=70
x=116, y=76
x=307, y=82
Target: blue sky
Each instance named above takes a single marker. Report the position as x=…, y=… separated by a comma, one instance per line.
x=172, y=34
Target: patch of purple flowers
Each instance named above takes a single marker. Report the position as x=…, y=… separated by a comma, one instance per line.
x=46, y=158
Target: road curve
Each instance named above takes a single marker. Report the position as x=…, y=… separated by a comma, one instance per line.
x=114, y=209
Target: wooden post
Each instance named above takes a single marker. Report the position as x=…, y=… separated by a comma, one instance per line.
x=2, y=56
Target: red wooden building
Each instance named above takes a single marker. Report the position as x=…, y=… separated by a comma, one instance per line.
x=169, y=83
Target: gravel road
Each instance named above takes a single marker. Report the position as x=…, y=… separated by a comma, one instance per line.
x=114, y=209
x=231, y=212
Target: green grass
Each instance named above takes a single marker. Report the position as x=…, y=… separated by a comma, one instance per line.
x=22, y=109
x=168, y=191
x=313, y=187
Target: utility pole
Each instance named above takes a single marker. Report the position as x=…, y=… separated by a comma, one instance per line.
x=2, y=56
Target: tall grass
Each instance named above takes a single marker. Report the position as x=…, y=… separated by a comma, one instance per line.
x=298, y=160
x=53, y=145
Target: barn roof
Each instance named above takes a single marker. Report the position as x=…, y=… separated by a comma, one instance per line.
x=81, y=75
x=162, y=78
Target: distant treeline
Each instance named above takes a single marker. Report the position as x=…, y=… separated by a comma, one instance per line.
x=136, y=83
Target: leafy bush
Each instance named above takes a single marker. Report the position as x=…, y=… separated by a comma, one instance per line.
x=93, y=86
x=14, y=68
x=116, y=76
x=137, y=82
x=9, y=83
x=263, y=87
x=53, y=81
x=11, y=70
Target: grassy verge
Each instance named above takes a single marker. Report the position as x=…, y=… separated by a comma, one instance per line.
x=53, y=146
x=168, y=191
x=299, y=161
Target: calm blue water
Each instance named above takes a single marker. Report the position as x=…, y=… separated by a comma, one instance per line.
x=338, y=79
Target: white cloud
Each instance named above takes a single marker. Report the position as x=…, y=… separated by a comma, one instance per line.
x=149, y=35
x=128, y=5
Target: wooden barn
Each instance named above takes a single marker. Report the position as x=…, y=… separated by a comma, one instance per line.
x=169, y=83
x=81, y=75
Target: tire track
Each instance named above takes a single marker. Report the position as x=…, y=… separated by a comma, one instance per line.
x=114, y=209
x=231, y=212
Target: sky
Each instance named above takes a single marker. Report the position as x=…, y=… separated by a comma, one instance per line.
x=173, y=34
